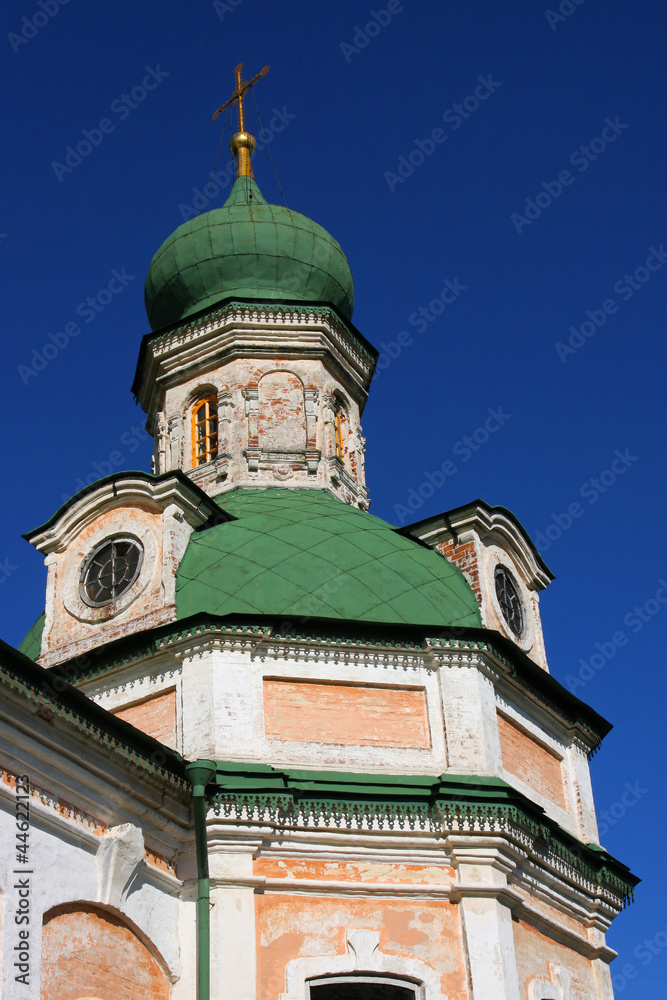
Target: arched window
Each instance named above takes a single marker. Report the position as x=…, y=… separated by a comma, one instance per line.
x=204, y=430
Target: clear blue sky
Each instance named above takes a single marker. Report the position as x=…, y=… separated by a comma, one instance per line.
x=568, y=113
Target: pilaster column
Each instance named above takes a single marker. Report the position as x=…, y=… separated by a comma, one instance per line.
x=581, y=776
x=482, y=864
x=233, y=935
x=177, y=458
x=469, y=710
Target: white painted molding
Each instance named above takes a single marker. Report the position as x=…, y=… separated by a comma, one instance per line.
x=124, y=491
x=363, y=956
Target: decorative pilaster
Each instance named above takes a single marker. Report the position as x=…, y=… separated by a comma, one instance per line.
x=482, y=865
x=175, y=432
x=233, y=934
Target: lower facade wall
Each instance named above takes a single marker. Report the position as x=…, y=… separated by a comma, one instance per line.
x=415, y=933
x=547, y=968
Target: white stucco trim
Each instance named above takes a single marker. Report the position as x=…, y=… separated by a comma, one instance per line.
x=363, y=956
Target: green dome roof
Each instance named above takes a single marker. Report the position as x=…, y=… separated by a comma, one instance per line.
x=250, y=250
x=304, y=553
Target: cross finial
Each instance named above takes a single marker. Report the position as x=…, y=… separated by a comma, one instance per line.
x=242, y=144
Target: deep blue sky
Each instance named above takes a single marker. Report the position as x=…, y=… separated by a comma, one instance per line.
x=355, y=114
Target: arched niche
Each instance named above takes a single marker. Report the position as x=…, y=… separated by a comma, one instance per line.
x=88, y=951
x=282, y=414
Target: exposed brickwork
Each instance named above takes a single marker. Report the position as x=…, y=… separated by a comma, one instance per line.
x=155, y=715
x=465, y=557
x=276, y=424
x=282, y=414
x=60, y=806
x=346, y=714
x=89, y=953
x=524, y=757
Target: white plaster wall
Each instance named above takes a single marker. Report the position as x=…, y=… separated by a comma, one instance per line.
x=233, y=727
x=469, y=708
x=64, y=870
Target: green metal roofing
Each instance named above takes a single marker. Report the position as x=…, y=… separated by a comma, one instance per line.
x=31, y=643
x=304, y=554
x=249, y=249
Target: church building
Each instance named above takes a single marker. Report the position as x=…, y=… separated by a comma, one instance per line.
x=261, y=744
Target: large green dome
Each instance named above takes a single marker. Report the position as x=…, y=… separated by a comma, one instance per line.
x=303, y=553
x=250, y=250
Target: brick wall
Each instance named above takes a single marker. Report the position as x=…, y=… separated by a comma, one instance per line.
x=532, y=762
x=346, y=714
x=87, y=952
x=465, y=557
x=155, y=715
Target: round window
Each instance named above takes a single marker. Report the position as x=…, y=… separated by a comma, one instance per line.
x=110, y=571
x=509, y=601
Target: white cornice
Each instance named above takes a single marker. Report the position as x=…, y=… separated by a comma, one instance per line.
x=125, y=490
x=489, y=524
x=249, y=331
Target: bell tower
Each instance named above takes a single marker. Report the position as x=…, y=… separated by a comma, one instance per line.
x=253, y=374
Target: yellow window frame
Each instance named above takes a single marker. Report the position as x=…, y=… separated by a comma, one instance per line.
x=204, y=431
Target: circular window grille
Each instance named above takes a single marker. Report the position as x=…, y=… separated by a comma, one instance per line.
x=110, y=571
x=509, y=601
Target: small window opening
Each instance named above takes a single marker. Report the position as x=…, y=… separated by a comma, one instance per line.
x=205, y=431
x=339, y=429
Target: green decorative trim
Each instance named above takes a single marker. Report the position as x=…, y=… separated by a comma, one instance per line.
x=452, y=801
x=49, y=690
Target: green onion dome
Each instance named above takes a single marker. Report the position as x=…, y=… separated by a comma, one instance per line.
x=247, y=249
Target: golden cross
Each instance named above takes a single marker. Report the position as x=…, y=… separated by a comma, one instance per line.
x=241, y=88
